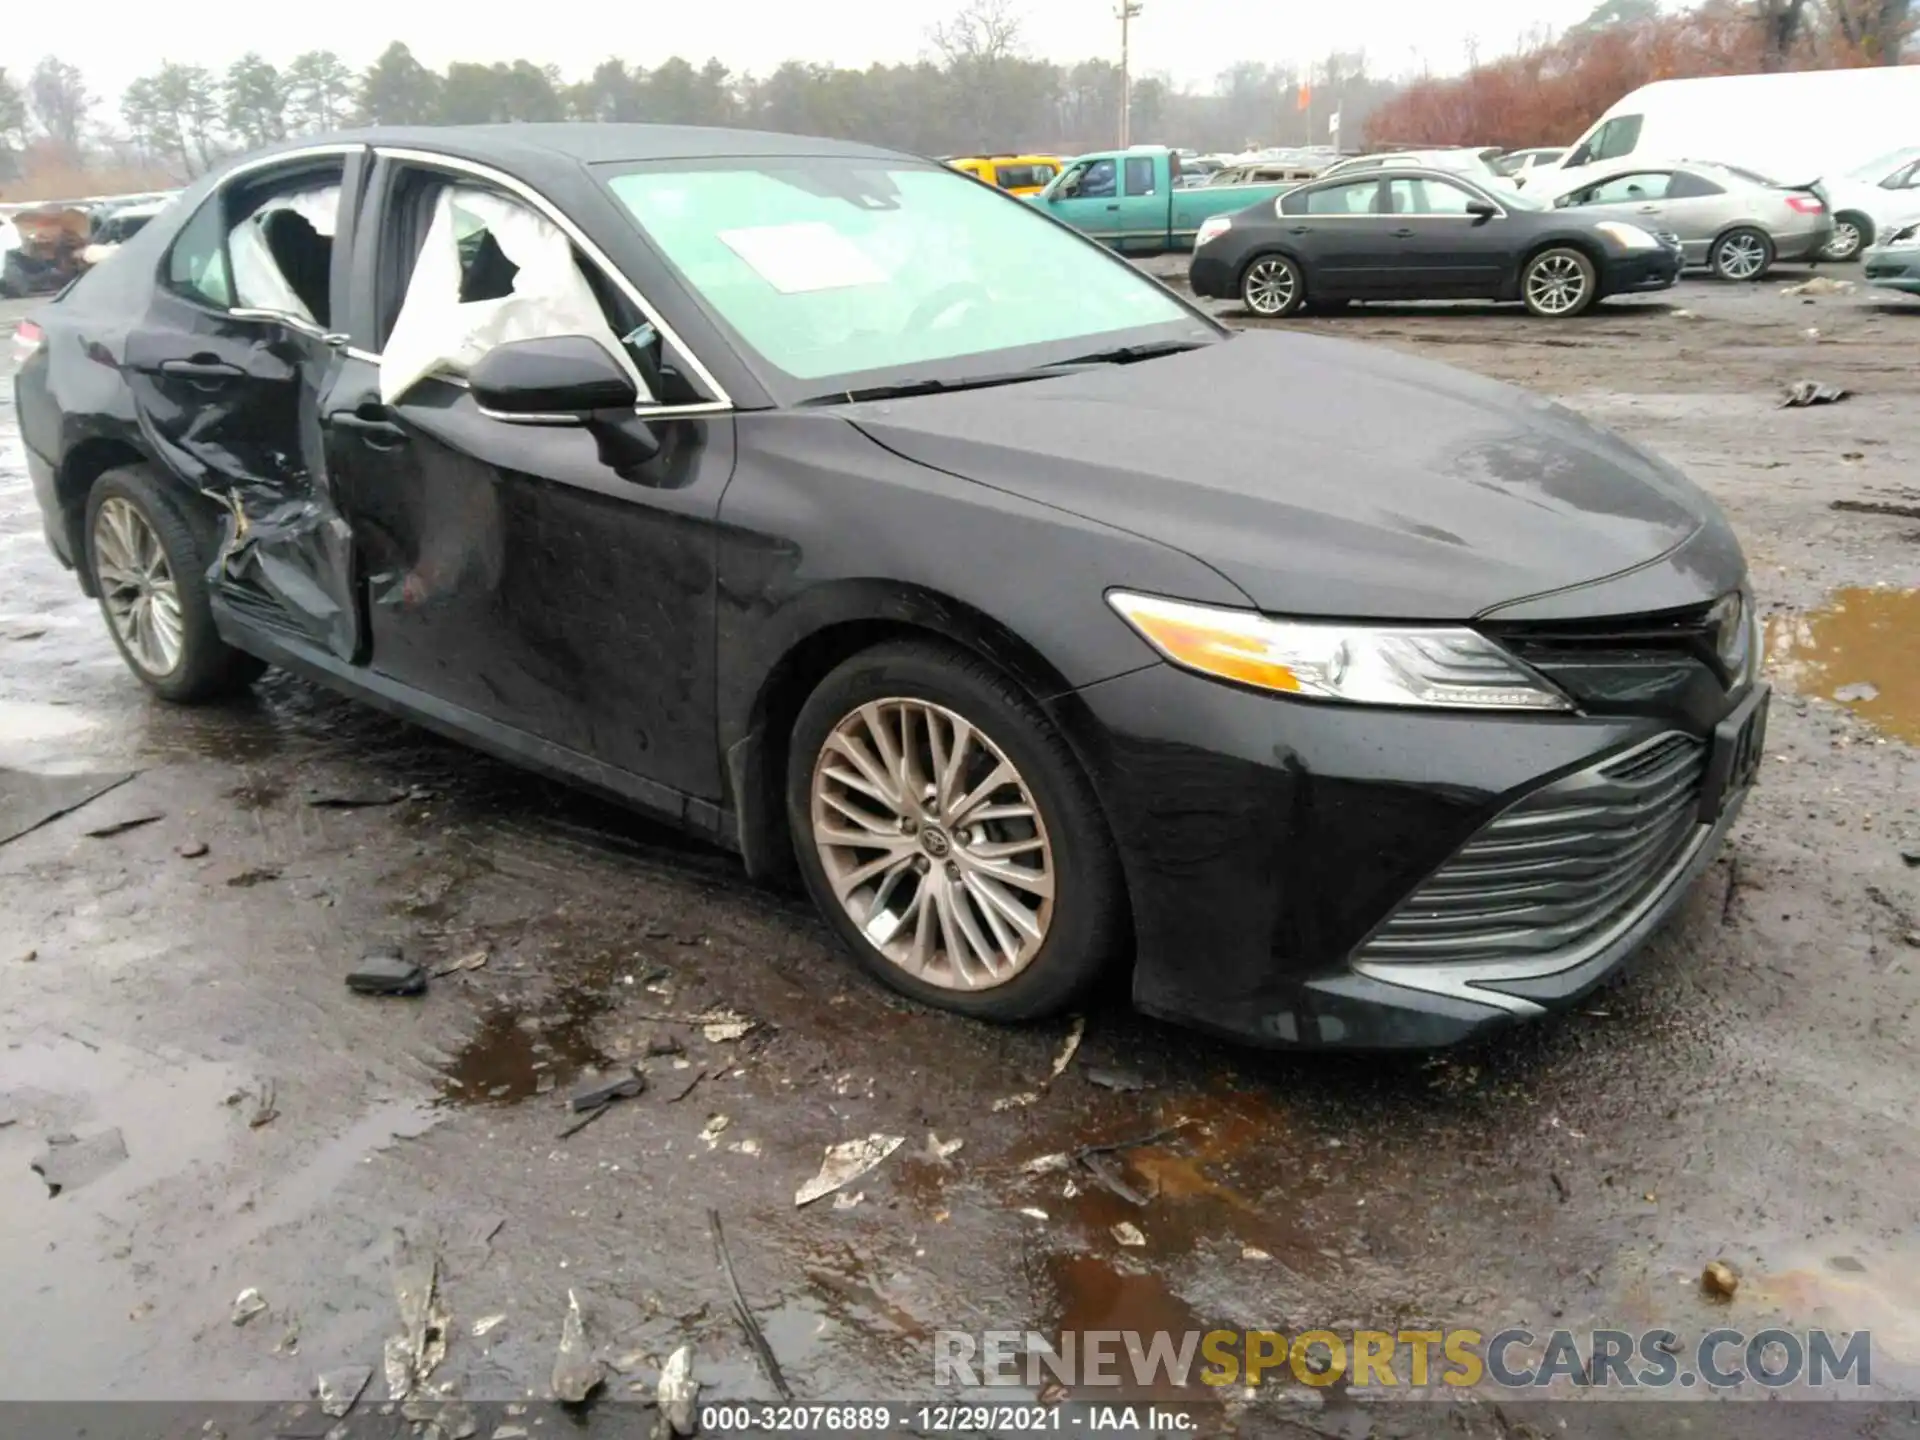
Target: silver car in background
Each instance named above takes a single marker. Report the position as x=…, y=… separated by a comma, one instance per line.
x=1869, y=197
x=1732, y=221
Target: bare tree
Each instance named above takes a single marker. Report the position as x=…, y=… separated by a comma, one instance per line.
x=59, y=100
x=984, y=31
x=1878, y=29
x=1780, y=25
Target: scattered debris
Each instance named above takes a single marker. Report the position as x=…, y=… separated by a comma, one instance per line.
x=1135, y=1142
x=29, y=956
x=246, y=1305
x=577, y=1372
x=191, y=849
x=585, y=1120
x=36, y=800
x=677, y=1391
x=687, y=1089
x=849, y=1199
x=385, y=971
x=1846, y=1262
x=604, y=1092
x=125, y=823
x=1068, y=1050
x=1015, y=1102
x=1033, y=1212
x=1910, y=858
x=68, y=1163
x=1813, y=392
x=1819, y=285
x=340, y=1390
x=749, y=1146
x=481, y=1229
x=1719, y=1280
x=940, y=1151
x=366, y=798
x=1876, y=507
x=846, y=1161
x=1128, y=1233
x=1043, y=1164
x=1124, y=1081
x=1859, y=690
x=417, y=1351
x=257, y=875
x=755, y=1336
x=1684, y=314
x=663, y=1044
x=1559, y=1186
x=466, y=962
x=486, y=1324
x=724, y=1026
x=1253, y=1252
x=265, y=1111
x=711, y=1132
x=1106, y=1170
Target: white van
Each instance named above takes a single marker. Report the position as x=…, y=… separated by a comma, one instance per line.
x=1792, y=127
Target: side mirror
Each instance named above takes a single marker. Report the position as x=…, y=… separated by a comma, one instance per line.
x=558, y=381
x=566, y=380
x=1482, y=209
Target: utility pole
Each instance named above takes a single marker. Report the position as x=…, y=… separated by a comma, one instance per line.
x=1127, y=13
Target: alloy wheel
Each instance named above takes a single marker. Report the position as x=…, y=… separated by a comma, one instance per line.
x=1845, y=243
x=933, y=843
x=1556, y=285
x=1742, y=256
x=1270, y=286
x=137, y=584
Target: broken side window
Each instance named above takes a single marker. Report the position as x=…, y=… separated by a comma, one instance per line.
x=490, y=271
x=283, y=254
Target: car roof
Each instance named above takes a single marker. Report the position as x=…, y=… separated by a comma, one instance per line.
x=592, y=143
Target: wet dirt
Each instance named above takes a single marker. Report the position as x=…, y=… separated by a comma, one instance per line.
x=1745, y=1093
x=1861, y=649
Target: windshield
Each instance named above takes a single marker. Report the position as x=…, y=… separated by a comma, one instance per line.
x=1520, y=200
x=1881, y=166
x=827, y=269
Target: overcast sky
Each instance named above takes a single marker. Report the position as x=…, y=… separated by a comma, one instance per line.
x=1193, y=40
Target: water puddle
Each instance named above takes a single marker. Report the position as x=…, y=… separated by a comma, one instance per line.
x=1862, y=650
x=514, y=1056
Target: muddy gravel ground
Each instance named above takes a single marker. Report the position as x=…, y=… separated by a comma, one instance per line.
x=1745, y=1094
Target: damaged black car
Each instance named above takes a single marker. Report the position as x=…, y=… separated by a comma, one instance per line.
x=880, y=528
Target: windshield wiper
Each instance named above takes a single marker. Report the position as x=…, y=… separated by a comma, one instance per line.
x=1127, y=354
x=907, y=388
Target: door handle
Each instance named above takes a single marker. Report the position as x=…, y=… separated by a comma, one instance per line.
x=1403, y=233
x=201, y=367
x=1113, y=207
x=1298, y=229
x=1649, y=209
x=377, y=433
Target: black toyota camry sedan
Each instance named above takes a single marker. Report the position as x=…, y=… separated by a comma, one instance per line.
x=1414, y=234
x=881, y=528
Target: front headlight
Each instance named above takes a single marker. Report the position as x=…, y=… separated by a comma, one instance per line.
x=1627, y=237
x=1905, y=238
x=1450, y=667
x=1212, y=228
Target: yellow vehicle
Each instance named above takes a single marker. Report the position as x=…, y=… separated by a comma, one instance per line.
x=1015, y=174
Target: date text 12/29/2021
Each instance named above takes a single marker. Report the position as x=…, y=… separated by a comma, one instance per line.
x=943, y=1419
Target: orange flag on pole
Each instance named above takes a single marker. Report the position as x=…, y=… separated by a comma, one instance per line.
x=1305, y=100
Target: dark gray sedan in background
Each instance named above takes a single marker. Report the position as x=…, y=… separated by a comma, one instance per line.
x=875, y=525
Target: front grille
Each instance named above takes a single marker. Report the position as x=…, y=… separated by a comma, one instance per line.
x=1558, y=873
x=1664, y=664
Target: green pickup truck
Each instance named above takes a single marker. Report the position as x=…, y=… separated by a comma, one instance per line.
x=1132, y=200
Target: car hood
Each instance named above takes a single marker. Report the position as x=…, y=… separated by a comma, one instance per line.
x=1323, y=477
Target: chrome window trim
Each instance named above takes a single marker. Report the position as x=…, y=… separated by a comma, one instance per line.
x=526, y=193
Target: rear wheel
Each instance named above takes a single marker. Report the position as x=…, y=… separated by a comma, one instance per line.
x=149, y=565
x=1742, y=254
x=1852, y=233
x=1272, y=287
x=1559, y=283
x=948, y=835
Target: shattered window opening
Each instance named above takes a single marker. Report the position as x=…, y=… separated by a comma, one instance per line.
x=283, y=253
x=489, y=272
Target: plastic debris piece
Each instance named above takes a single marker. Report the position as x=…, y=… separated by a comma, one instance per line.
x=246, y=1305
x=68, y=1163
x=623, y=1086
x=1124, y=1081
x=710, y=1132
x=942, y=1150
x=1719, y=1280
x=1070, y=1049
x=1813, y=392
x=1128, y=1233
x=1253, y=1252
x=340, y=1390
x=125, y=823
x=723, y=1026
x=472, y=961
x=364, y=797
x=577, y=1372
x=848, y=1199
x=678, y=1391
x=417, y=1351
x=486, y=1324
x=1015, y=1102
x=847, y=1161
x=385, y=971
x=1042, y=1164
x=1033, y=1212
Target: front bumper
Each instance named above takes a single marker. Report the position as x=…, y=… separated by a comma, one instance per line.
x=1268, y=846
x=1644, y=270
x=1211, y=276
x=1892, y=269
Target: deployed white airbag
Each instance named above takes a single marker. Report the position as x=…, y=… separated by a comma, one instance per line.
x=257, y=281
x=436, y=333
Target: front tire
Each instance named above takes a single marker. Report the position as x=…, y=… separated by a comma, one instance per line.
x=1742, y=254
x=148, y=562
x=1272, y=287
x=949, y=836
x=1852, y=233
x=1559, y=283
